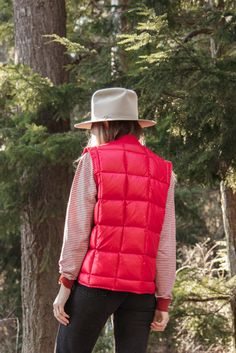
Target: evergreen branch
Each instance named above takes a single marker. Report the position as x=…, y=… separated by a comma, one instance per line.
x=189, y=53
x=173, y=95
x=79, y=59
x=196, y=33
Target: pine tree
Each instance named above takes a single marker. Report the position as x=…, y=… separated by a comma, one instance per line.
x=44, y=204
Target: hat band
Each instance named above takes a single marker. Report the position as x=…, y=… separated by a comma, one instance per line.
x=115, y=116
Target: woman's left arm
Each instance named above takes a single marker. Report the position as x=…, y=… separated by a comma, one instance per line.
x=77, y=229
x=78, y=222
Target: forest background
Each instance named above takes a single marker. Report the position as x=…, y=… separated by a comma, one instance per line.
x=180, y=58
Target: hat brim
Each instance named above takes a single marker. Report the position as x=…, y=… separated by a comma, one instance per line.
x=88, y=123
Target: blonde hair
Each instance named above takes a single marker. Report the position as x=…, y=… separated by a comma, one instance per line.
x=116, y=129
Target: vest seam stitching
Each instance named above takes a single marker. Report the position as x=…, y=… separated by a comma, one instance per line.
x=98, y=211
x=168, y=173
x=124, y=212
x=114, y=252
x=164, y=182
x=136, y=280
x=101, y=198
x=94, y=165
x=147, y=213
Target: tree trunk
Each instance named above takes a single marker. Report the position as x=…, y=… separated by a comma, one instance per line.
x=42, y=223
x=33, y=19
x=119, y=62
x=43, y=216
x=228, y=202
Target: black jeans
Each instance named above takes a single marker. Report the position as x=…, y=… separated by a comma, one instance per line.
x=89, y=308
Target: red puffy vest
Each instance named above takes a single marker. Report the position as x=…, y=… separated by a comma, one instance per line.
x=132, y=183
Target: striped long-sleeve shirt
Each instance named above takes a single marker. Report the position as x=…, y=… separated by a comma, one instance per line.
x=78, y=226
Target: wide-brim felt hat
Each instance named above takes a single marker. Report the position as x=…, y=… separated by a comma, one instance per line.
x=115, y=103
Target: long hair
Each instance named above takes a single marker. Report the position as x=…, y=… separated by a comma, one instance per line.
x=99, y=134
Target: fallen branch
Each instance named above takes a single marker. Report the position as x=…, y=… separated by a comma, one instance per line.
x=208, y=299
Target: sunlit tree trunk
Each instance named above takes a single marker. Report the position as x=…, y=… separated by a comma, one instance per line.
x=42, y=217
x=228, y=202
x=120, y=25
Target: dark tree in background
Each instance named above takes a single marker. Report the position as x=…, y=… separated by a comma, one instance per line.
x=42, y=217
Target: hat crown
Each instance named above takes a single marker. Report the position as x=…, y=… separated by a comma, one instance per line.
x=114, y=102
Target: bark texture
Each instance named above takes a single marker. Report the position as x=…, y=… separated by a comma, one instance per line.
x=43, y=215
x=42, y=223
x=228, y=202
x=33, y=19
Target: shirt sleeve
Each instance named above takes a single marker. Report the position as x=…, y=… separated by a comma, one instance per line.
x=166, y=255
x=78, y=221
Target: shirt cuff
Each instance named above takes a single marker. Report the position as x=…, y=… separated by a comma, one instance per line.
x=68, y=283
x=163, y=304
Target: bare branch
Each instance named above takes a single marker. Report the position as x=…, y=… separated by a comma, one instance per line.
x=208, y=299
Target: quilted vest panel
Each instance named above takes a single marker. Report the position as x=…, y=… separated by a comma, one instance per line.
x=132, y=183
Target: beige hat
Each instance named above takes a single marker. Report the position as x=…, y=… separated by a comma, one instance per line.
x=114, y=103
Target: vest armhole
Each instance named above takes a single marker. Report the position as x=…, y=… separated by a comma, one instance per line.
x=169, y=170
x=93, y=157
x=86, y=149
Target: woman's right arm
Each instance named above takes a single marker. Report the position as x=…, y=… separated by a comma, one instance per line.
x=165, y=262
x=166, y=255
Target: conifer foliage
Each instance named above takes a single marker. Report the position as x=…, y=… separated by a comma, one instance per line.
x=180, y=58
